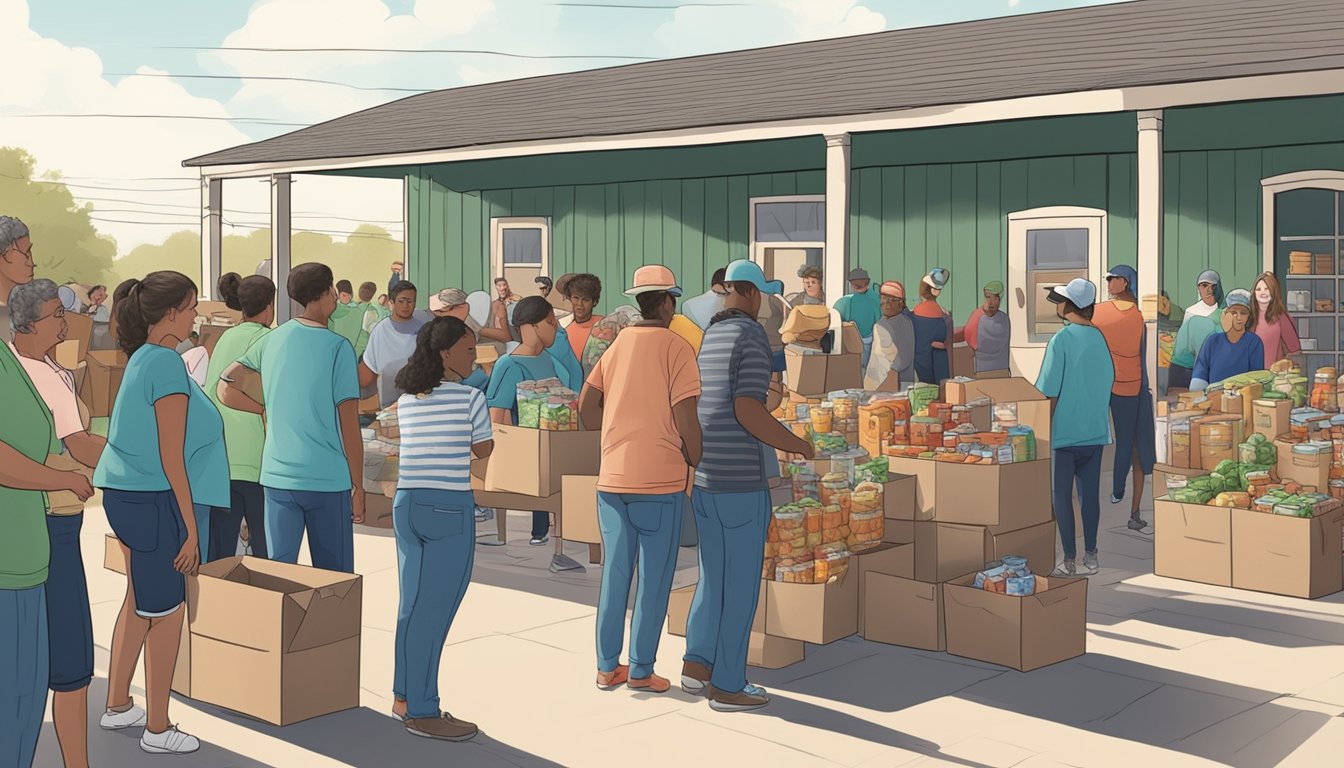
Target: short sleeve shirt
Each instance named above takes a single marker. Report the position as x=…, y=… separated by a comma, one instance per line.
x=56, y=385
x=734, y=362
x=27, y=428
x=437, y=433
x=512, y=370
x=1078, y=371
x=244, y=434
x=390, y=346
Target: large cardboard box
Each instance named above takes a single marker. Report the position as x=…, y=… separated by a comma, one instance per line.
x=578, y=502
x=114, y=559
x=1294, y=556
x=926, y=486
x=945, y=551
x=1006, y=496
x=898, y=531
x=898, y=497
x=813, y=613
x=1033, y=408
x=901, y=611
x=819, y=374
x=296, y=654
x=1271, y=418
x=1164, y=474
x=105, y=369
x=532, y=462
x=1192, y=542
x=764, y=651
x=893, y=559
x=1308, y=469
x=78, y=338
x=1023, y=633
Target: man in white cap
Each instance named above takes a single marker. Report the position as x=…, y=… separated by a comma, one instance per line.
x=862, y=308
x=1077, y=376
x=892, y=363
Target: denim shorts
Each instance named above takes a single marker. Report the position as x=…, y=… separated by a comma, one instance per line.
x=69, y=624
x=150, y=525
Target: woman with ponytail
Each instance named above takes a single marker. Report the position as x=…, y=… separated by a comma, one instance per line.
x=244, y=435
x=164, y=467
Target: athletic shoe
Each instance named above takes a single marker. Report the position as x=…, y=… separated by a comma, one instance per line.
x=742, y=701
x=1136, y=524
x=445, y=727
x=695, y=677
x=538, y=541
x=1066, y=568
x=116, y=721
x=170, y=742
x=1090, y=565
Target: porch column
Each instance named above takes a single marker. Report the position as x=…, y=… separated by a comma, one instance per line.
x=1150, y=230
x=212, y=216
x=280, y=237
x=837, y=224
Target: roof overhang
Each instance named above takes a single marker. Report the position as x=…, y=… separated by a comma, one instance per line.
x=1256, y=88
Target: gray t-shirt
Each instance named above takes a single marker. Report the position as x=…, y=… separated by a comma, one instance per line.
x=390, y=346
x=994, y=337
x=734, y=362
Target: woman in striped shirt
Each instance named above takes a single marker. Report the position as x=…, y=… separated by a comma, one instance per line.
x=443, y=424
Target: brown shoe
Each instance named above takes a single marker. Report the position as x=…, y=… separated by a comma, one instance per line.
x=721, y=701
x=609, y=681
x=650, y=684
x=445, y=727
x=695, y=677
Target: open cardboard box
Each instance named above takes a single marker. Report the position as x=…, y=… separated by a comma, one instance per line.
x=1294, y=556
x=813, y=613
x=1192, y=542
x=945, y=551
x=818, y=374
x=532, y=462
x=1033, y=408
x=1023, y=633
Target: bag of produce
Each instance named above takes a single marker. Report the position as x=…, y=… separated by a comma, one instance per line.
x=604, y=333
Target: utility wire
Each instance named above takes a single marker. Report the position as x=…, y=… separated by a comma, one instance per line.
x=459, y=51
x=249, y=120
x=260, y=77
x=366, y=235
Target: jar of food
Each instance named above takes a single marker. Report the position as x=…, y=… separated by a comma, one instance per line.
x=801, y=573
x=847, y=461
x=805, y=480
x=834, y=489
x=866, y=530
x=1016, y=565
x=1325, y=390
x=823, y=418
x=845, y=404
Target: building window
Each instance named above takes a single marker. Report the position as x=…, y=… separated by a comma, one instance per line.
x=1049, y=247
x=788, y=233
x=520, y=250
x=1305, y=213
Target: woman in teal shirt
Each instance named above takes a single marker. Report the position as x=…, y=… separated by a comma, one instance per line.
x=165, y=455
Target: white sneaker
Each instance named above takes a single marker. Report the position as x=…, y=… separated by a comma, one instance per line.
x=170, y=742
x=116, y=721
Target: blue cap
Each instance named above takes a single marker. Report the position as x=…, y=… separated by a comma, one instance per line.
x=1127, y=273
x=1081, y=292
x=745, y=271
x=1239, y=296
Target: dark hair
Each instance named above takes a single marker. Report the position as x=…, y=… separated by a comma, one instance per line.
x=544, y=281
x=584, y=284
x=400, y=288
x=529, y=311
x=89, y=293
x=344, y=286
x=309, y=282
x=250, y=295
x=1084, y=312
x=650, y=302
x=139, y=304
x=499, y=280
x=366, y=291
x=742, y=287
x=424, y=370
x=718, y=277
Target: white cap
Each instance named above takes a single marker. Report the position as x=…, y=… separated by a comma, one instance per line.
x=1081, y=292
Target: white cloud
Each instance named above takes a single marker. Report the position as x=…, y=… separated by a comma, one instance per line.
x=704, y=29
x=1014, y=3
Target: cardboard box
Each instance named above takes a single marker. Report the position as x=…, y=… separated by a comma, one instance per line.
x=898, y=497
x=1033, y=408
x=78, y=339
x=1271, y=418
x=1215, y=438
x=679, y=609
x=531, y=462
x=891, y=559
x=378, y=510
x=114, y=559
x=926, y=486
x=105, y=369
x=901, y=611
x=210, y=334
x=898, y=531
x=1307, y=469
x=819, y=374
x=961, y=359
x=1006, y=496
x=61, y=503
x=299, y=645
x=1164, y=473
x=578, y=502
x=1294, y=556
x=945, y=551
x=1192, y=542
x=770, y=652
x=813, y=613
x=1023, y=633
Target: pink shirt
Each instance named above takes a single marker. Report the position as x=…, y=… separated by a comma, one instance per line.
x=56, y=385
x=1282, y=331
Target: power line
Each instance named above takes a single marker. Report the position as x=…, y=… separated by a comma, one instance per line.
x=367, y=235
x=673, y=7
x=260, y=77
x=458, y=51
x=249, y=120
x=199, y=217
x=104, y=188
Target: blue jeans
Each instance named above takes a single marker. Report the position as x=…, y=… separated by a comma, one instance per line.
x=732, y=551
x=248, y=502
x=647, y=526
x=151, y=526
x=23, y=672
x=436, y=534
x=326, y=517
x=69, y=623
x=867, y=352
x=1077, y=465
x=1135, y=436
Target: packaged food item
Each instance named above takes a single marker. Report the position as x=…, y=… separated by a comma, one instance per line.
x=1023, y=586
x=802, y=429
x=829, y=443
x=822, y=417
x=866, y=526
x=926, y=431
x=832, y=562
x=1015, y=565
x=878, y=470
x=834, y=488
x=799, y=573
x=848, y=461
x=1325, y=390
x=921, y=394
x=866, y=497
x=1023, y=442
x=804, y=480
x=548, y=405
x=792, y=530
x=768, y=568
x=604, y=332
x=844, y=403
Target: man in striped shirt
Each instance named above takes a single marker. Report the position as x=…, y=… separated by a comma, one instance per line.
x=731, y=494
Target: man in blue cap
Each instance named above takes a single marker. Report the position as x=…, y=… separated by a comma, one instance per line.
x=1077, y=376
x=731, y=495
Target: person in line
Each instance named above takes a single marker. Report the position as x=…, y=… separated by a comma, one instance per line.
x=1121, y=323
x=701, y=309
x=165, y=459
x=391, y=343
x=1077, y=376
x=452, y=302
x=443, y=425
x=1236, y=350
x=731, y=495
x=862, y=307
x=642, y=395
x=892, y=365
x=502, y=306
x=583, y=291
x=16, y=266
x=348, y=319
x=1276, y=328
x=39, y=323
x=398, y=275
x=97, y=296
x=302, y=377
x=988, y=331
x=933, y=329
x=244, y=433
x=812, y=292
x=1202, y=320
x=544, y=285
x=374, y=309
x=688, y=331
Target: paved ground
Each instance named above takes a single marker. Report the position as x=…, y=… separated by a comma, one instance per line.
x=1177, y=674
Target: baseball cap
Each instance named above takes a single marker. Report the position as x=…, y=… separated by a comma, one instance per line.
x=858, y=273
x=746, y=271
x=937, y=278
x=1239, y=296
x=1126, y=273
x=447, y=298
x=1209, y=276
x=995, y=287
x=892, y=288
x=1081, y=292
x=653, y=277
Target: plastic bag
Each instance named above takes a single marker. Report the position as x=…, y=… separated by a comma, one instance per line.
x=604, y=333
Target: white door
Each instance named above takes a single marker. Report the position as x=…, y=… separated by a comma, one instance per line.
x=520, y=250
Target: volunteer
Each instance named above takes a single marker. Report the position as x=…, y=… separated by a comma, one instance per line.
x=812, y=292
x=443, y=425
x=988, y=332
x=165, y=460
x=503, y=305
x=244, y=433
x=391, y=343
x=583, y=292
x=701, y=309
x=1077, y=375
x=1275, y=327
x=302, y=376
x=16, y=266
x=1202, y=320
x=731, y=495
x=933, y=329
x=862, y=308
x=348, y=319
x=892, y=365
x=1121, y=324
x=642, y=395
x=38, y=316
x=1233, y=352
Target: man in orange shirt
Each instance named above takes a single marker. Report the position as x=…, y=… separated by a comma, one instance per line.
x=1121, y=323
x=642, y=394
x=583, y=291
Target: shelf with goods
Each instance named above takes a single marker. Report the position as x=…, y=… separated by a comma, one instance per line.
x=1309, y=233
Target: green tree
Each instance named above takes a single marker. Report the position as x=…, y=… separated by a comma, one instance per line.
x=68, y=248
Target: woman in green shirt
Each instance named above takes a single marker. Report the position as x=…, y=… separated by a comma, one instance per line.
x=244, y=433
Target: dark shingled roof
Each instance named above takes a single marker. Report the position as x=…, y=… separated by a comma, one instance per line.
x=1144, y=42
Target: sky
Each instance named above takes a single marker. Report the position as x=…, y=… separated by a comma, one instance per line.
x=114, y=96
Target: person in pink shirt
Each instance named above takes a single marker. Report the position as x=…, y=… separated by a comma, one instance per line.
x=1275, y=327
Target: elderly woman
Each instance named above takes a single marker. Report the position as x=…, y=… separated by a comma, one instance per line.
x=38, y=319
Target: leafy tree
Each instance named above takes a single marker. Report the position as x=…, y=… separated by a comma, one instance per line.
x=68, y=248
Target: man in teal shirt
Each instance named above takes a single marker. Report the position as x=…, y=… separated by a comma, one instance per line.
x=863, y=308
x=1077, y=376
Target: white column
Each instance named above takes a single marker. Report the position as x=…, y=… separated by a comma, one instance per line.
x=837, y=225
x=1150, y=228
x=212, y=216
x=280, y=238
